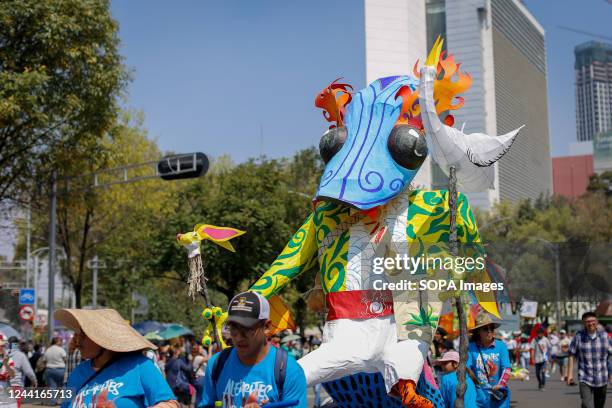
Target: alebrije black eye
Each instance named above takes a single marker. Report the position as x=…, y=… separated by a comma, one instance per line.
x=407, y=146
x=331, y=142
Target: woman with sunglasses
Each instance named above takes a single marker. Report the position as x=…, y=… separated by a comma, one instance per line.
x=489, y=364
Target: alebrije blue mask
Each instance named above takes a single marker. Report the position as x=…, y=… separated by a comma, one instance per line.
x=370, y=158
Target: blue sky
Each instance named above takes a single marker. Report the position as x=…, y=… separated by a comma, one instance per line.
x=593, y=16
x=214, y=76
x=210, y=76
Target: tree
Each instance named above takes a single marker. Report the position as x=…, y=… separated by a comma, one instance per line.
x=601, y=182
x=269, y=199
x=519, y=238
x=60, y=76
x=114, y=223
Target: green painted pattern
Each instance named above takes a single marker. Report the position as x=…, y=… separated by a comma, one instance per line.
x=423, y=318
x=426, y=232
x=333, y=259
x=298, y=256
x=428, y=225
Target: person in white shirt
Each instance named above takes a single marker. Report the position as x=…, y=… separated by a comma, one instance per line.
x=563, y=354
x=554, y=350
x=540, y=350
x=511, y=344
x=55, y=363
x=525, y=349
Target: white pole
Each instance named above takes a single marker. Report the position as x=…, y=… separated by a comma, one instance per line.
x=35, y=286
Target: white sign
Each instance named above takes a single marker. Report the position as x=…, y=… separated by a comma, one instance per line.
x=40, y=319
x=529, y=309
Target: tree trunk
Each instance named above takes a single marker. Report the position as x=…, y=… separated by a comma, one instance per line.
x=77, y=294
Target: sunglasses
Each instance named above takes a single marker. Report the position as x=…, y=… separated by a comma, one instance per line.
x=243, y=331
x=488, y=329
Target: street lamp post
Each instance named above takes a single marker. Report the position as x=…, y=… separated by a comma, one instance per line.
x=34, y=255
x=53, y=220
x=554, y=250
x=174, y=167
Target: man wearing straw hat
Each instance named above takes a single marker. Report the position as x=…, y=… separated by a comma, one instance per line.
x=489, y=362
x=115, y=372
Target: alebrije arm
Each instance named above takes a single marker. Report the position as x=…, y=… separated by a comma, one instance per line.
x=299, y=255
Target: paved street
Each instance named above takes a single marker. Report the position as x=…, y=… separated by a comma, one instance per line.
x=525, y=394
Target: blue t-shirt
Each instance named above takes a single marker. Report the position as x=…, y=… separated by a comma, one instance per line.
x=448, y=388
x=132, y=381
x=238, y=381
x=496, y=360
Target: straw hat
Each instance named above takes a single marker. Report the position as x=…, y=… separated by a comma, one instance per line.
x=484, y=319
x=105, y=327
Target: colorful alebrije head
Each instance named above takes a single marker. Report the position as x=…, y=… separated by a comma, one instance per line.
x=377, y=144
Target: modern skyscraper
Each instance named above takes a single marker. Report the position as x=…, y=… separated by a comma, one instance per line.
x=502, y=46
x=593, y=89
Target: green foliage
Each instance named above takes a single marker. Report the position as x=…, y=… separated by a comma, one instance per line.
x=60, y=76
x=601, y=183
x=525, y=238
x=269, y=199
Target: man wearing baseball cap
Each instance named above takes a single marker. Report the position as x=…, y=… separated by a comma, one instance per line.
x=252, y=372
x=448, y=382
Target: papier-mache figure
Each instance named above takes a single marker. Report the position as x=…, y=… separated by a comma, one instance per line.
x=365, y=210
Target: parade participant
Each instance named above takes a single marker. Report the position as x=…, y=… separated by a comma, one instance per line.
x=525, y=351
x=73, y=359
x=512, y=344
x=364, y=211
x=179, y=374
x=252, y=372
x=7, y=366
x=540, y=349
x=199, y=360
x=448, y=364
x=562, y=356
x=36, y=356
x=114, y=370
x=438, y=340
x=554, y=351
x=592, y=348
x=489, y=361
x=23, y=369
x=55, y=364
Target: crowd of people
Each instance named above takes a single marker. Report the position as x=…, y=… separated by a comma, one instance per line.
x=550, y=351
x=107, y=361
x=25, y=364
x=493, y=359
